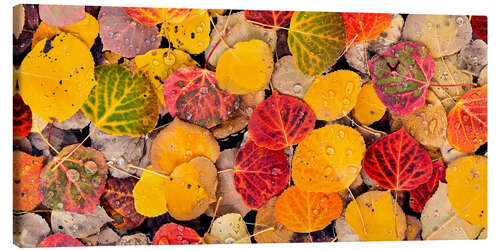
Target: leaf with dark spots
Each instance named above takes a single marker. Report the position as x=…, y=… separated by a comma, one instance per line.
x=274, y=18
x=192, y=94
x=420, y=195
x=76, y=184
x=281, y=121
x=260, y=174
x=398, y=162
x=26, y=172
x=48, y=44
x=21, y=118
x=401, y=76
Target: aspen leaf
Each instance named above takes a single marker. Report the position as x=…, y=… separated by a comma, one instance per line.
x=365, y=26
x=175, y=234
x=154, y=16
x=61, y=15
x=305, y=212
x=480, y=27
x=38, y=124
x=56, y=77
x=29, y=229
x=380, y=214
x=369, y=108
x=19, y=19
x=22, y=121
x=192, y=34
x=122, y=103
x=26, y=173
x=273, y=18
x=329, y=159
x=229, y=228
x=420, y=195
x=79, y=225
x=245, y=68
x=334, y=95
x=287, y=79
x=467, y=175
x=30, y=21
x=265, y=218
x=149, y=194
x=180, y=142
x=60, y=240
x=316, y=40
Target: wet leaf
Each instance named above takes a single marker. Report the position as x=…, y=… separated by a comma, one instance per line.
x=344, y=232
x=389, y=36
x=398, y=162
x=305, y=212
x=149, y=194
x=467, y=175
x=124, y=36
x=280, y=121
x=180, y=142
x=420, y=195
x=441, y=34
x=369, y=108
x=193, y=95
x=29, y=229
x=329, y=159
x=79, y=225
x=133, y=239
x=365, y=26
x=274, y=18
x=227, y=229
x=287, y=79
x=77, y=183
x=380, y=216
x=174, y=234
x=60, y=240
x=245, y=68
x=260, y=174
x=154, y=16
x=61, y=15
x=265, y=219
x=56, y=77
x=122, y=103
x=117, y=199
x=190, y=35
x=480, y=27
x=30, y=23
x=401, y=76
x=22, y=121
x=26, y=172
x=334, y=95
x=468, y=121
x=316, y=40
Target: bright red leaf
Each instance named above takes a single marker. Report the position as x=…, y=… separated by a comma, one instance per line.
x=174, y=234
x=480, y=27
x=260, y=174
x=468, y=121
x=401, y=76
x=274, y=18
x=365, y=26
x=60, y=240
x=398, y=162
x=281, y=121
x=22, y=118
x=118, y=201
x=193, y=95
x=420, y=195
x=26, y=173
x=154, y=16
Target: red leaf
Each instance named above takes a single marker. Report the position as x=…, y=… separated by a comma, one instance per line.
x=281, y=121
x=367, y=26
x=401, y=76
x=154, y=16
x=270, y=17
x=468, y=121
x=398, y=162
x=480, y=27
x=60, y=240
x=26, y=173
x=420, y=195
x=193, y=95
x=22, y=118
x=118, y=201
x=260, y=174
x=174, y=234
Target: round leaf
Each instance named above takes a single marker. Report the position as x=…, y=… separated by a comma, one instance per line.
x=154, y=16
x=287, y=79
x=175, y=234
x=60, y=240
x=61, y=15
x=149, y=194
x=26, y=173
x=265, y=218
x=21, y=118
x=369, y=108
x=273, y=18
x=365, y=26
x=229, y=228
x=192, y=34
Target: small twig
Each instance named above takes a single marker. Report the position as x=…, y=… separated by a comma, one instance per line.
x=121, y=170
x=250, y=236
x=225, y=171
x=48, y=143
x=359, y=210
x=213, y=220
x=149, y=171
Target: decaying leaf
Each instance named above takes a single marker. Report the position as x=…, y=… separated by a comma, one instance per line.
x=329, y=159
x=266, y=219
x=26, y=172
x=344, y=232
x=473, y=57
x=413, y=228
x=287, y=79
x=369, y=108
x=29, y=229
x=133, y=239
x=79, y=225
x=191, y=34
x=227, y=229
x=107, y=237
x=235, y=123
x=379, y=219
x=61, y=15
x=174, y=234
x=305, y=212
x=389, y=36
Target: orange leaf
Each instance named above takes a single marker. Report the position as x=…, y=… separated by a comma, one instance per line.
x=154, y=16
x=26, y=179
x=367, y=26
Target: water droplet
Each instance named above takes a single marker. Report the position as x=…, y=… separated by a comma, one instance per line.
x=346, y=101
x=328, y=171
x=349, y=88
x=315, y=211
x=331, y=93
x=155, y=62
x=200, y=44
x=341, y=134
x=348, y=152
x=459, y=21
x=199, y=30
x=116, y=35
x=297, y=88
x=126, y=41
x=59, y=205
x=436, y=213
x=96, y=181
x=330, y=150
x=73, y=175
x=188, y=153
x=110, y=34
x=133, y=24
x=188, y=116
x=352, y=169
x=325, y=103
x=275, y=171
x=203, y=90
x=90, y=167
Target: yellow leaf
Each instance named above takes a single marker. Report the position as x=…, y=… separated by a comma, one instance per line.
x=180, y=142
x=467, y=175
x=332, y=96
x=192, y=34
x=229, y=228
x=377, y=210
x=246, y=68
x=264, y=220
x=86, y=29
x=328, y=159
x=149, y=194
x=38, y=124
x=158, y=64
x=56, y=77
x=369, y=108
x=215, y=12
x=191, y=188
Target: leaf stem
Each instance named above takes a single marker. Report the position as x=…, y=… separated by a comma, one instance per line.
x=213, y=220
x=225, y=171
x=359, y=210
x=121, y=170
x=48, y=143
x=453, y=85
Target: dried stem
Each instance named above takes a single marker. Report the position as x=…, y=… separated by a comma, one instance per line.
x=359, y=210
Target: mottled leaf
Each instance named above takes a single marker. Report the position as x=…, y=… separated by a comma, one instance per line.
x=21, y=115
x=274, y=18
x=79, y=225
x=192, y=34
x=26, y=173
x=227, y=229
x=175, y=234
x=61, y=15
x=365, y=26
x=60, y=240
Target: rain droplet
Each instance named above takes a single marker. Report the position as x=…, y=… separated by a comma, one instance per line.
x=436, y=213
x=348, y=152
x=275, y=171
x=331, y=93
x=459, y=21
x=199, y=30
x=346, y=101
x=328, y=171
x=73, y=175
x=96, y=181
x=315, y=211
x=297, y=88
x=60, y=205
x=188, y=153
x=90, y=167
x=155, y=62
x=330, y=151
x=341, y=134
x=349, y=87
x=203, y=90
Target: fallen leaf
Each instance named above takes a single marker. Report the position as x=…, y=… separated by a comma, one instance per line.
x=389, y=36
x=174, y=234
x=368, y=108
x=150, y=194
x=420, y=195
x=60, y=240
x=29, y=229
x=365, y=26
x=483, y=76
x=266, y=219
x=61, y=15
x=191, y=34
x=79, y=225
x=288, y=80
x=26, y=172
x=480, y=26
x=272, y=19
x=237, y=122
x=413, y=228
x=21, y=115
x=31, y=21
x=38, y=124
x=19, y=19
x=227, y=229
x=133, y=239
x=344, y=232
x=473, y=57
x=154, y=16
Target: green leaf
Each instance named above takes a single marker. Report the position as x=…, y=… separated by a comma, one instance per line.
x=316, y=40
x=122, y=103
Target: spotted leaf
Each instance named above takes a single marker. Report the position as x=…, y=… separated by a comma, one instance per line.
x=269, y=18
x=192, y=34
x=365, y=26
x=26, y=173
x=175, y=234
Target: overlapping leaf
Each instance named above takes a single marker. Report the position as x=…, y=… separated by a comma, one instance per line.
x=401, y=76
x=280, y=121
x=22, y=121
x=154, y=16
x=274, y=18
x=192, y=34
x=61, y=15
x=174, y=234
x=260, y=174
x=365, y=26
x=420, y=195
x=287, y=79
x=369, y=108
x=122, y=103
x=149, y=194
x=266, y=218
x=480, y=27
x=60, y=240
x=26, y=173
x=227, y=229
